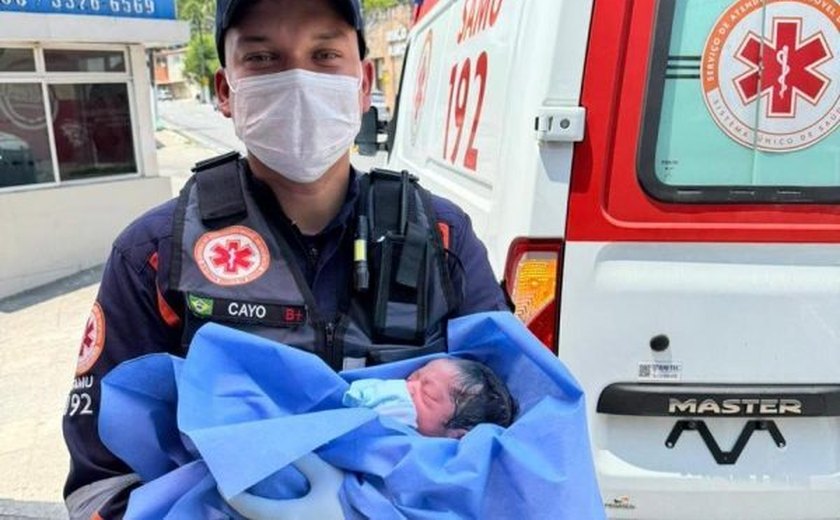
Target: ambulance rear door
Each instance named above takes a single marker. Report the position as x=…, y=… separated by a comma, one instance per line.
x=701, y=273
x=489, y=111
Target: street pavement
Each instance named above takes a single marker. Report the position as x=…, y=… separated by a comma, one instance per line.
x=40, y=332
x=39, y=336
x=207, y=127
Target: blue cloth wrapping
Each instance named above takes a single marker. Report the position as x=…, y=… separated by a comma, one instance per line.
x=240, y=409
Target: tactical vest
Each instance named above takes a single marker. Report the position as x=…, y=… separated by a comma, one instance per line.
x=235, y=268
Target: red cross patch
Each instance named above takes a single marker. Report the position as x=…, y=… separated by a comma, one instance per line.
x=770, y=73
x=93, y=340
x=234, y=255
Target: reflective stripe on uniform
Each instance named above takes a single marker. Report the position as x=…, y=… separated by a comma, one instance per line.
x=85, y=502
x=169, y=316
x=443, y=227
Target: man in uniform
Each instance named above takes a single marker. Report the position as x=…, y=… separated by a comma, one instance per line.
x=288, y=243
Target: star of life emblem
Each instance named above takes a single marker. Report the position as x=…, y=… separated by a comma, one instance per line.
x=93, y=340
x=234, y=255
x=419, y=101
x=771, y=75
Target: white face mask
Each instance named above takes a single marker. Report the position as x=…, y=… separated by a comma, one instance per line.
x=297, y=122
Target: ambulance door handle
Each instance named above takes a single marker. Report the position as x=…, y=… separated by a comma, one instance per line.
x=560, y=124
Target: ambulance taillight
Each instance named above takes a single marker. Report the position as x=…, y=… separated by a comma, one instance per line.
x=532, y=276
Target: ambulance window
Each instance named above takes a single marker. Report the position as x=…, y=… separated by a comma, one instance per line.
x=743, y=103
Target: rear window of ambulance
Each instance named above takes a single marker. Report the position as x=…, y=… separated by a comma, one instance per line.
x=743, y=103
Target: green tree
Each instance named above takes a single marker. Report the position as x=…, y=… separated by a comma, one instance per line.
x=373, y=5
x=201, y=61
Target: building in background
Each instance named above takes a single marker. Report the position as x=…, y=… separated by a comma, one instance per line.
x=77, y=148
x=170, y=80
x=386, y=31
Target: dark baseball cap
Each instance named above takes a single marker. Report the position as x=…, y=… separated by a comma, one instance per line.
x=227, y=10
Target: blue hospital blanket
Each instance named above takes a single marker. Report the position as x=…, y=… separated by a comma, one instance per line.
x=239, y=409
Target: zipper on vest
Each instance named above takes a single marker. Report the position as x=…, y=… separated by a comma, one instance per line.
x=329, y=340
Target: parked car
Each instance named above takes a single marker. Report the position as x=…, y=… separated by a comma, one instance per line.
x=383, y=115
x=17, y=163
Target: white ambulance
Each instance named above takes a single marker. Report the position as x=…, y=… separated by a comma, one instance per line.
x=658, y=182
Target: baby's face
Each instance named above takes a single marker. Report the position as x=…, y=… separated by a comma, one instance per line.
x=431, y=389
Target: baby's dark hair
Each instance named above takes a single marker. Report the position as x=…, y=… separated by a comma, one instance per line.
x=480, y=397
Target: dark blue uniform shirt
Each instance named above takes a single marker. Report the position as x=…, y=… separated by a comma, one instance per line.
x=136, y=313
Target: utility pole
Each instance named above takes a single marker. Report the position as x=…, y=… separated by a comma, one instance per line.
x=151, y=58
x=203, y=82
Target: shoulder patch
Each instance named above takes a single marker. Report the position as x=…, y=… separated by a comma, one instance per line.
x=93, y=340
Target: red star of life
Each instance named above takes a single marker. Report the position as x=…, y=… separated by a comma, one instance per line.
x=232, y=256
x=783, y=68
x=88, y=338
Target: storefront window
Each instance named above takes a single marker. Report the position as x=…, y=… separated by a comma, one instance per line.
x=59, y=60
x=24, y=141
x=17, y=60
x=65, y=115
x=92, y=128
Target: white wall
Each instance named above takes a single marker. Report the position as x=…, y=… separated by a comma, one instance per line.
x=52, y=233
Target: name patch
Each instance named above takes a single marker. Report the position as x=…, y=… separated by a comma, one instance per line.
x=252, y=313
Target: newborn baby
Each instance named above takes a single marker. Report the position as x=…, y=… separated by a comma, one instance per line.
x=446, y=397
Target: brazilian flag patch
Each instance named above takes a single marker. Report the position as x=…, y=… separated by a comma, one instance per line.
x=201, y=307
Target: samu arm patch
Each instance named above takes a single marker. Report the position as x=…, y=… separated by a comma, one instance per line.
x=93, y=340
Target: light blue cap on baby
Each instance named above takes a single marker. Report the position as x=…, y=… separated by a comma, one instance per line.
x=388, y=397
